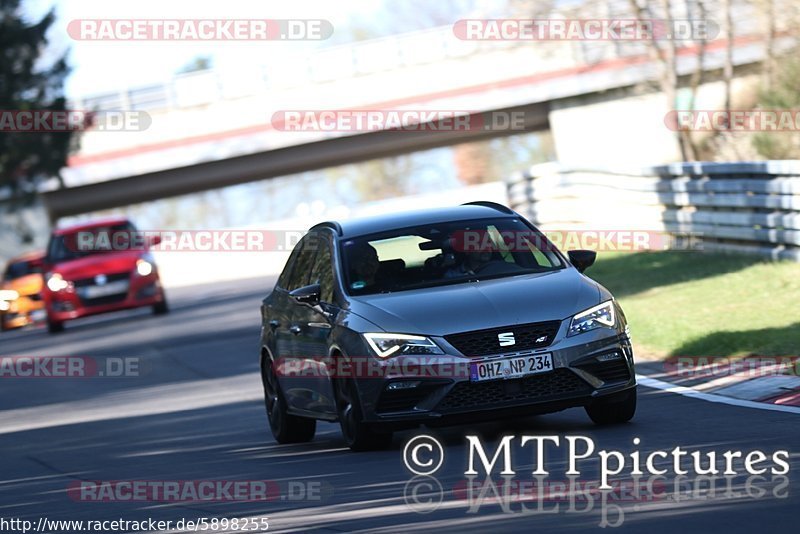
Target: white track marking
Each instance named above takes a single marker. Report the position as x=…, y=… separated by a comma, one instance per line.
x=689, y=392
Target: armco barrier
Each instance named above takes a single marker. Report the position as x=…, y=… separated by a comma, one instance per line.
x=749, y=207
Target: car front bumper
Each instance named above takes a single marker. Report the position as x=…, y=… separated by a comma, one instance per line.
x=585, y=368
x=144, y=291
x=22, y=312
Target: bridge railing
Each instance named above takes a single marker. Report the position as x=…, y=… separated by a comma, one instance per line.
x=749, y=207
x=374, y=56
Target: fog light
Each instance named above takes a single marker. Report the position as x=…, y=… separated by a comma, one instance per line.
x=63, y=306
x=394, y=386
x=608, y=357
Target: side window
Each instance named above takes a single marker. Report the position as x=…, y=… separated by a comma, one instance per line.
x=322, y=273
x=301, y=267
x=283, y=279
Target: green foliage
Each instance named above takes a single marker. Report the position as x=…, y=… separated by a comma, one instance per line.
x=784, y=94
x=27, y=158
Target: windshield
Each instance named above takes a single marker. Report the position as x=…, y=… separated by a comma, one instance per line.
x=72, y=246
x=449, y=253
x=21, y=268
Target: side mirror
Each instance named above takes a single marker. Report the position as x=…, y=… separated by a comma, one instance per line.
x=306, y=294
x=582, y=259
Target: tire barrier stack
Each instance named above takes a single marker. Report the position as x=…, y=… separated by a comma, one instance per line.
x=749, y=207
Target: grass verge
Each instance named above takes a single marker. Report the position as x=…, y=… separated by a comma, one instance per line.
x=703, y=304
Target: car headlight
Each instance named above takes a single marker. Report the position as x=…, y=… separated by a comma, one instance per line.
x=597, y=317
x=386, y=345
x=143, y=267
x=56, y=282
x=7, y=295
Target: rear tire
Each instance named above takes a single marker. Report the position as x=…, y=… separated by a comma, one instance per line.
x=286, y=428
x=615, y=409
x=358, y=435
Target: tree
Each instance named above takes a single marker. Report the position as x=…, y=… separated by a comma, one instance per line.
x=29, y=158
x=783, y=94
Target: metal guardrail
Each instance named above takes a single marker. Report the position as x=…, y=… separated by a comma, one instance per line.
x=751, y=207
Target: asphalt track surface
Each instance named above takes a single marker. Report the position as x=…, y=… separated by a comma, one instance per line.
x=195, y=413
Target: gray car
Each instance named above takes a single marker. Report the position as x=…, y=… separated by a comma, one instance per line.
x=438, y=317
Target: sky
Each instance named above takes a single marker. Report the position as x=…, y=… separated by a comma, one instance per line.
x=101, y=67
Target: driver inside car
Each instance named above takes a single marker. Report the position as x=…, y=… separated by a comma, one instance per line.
x=364, y=265
x=471, y=264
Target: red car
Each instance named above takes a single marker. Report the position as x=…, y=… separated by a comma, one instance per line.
x=99, y=267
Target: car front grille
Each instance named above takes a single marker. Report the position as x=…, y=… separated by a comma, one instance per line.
x=84, y=282
x=103, y=301
x=610, y=371
x=485, y=342
x=559, y=384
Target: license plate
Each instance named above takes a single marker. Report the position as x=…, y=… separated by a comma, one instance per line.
x=512, y=367
x=113, y=288
x=38, y=315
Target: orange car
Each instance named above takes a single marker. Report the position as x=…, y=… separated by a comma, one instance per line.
x=21, y=301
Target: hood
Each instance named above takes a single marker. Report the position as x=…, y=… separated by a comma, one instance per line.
x=30, y=284
x=94, y=264
x=448, y=309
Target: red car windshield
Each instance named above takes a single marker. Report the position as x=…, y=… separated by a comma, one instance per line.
x=66, y=247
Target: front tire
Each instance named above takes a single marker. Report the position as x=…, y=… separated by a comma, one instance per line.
x=615, y=409
x=54, y=327
x=161, y=308
x=286, y=428
x=358, y=435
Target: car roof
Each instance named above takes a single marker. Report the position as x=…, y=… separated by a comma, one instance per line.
x=359, y=226
x=88, y=225
x=28, y=256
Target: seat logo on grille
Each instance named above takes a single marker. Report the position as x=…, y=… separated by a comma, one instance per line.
x=506, y=339
x=541, y=339
x=100, y=279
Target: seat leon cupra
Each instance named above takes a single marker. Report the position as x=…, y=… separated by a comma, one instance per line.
x=438, y=317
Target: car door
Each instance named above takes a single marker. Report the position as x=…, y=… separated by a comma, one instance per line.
x=281, y=319
x=298, y=383
x=276, y=313
x=316, y=324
